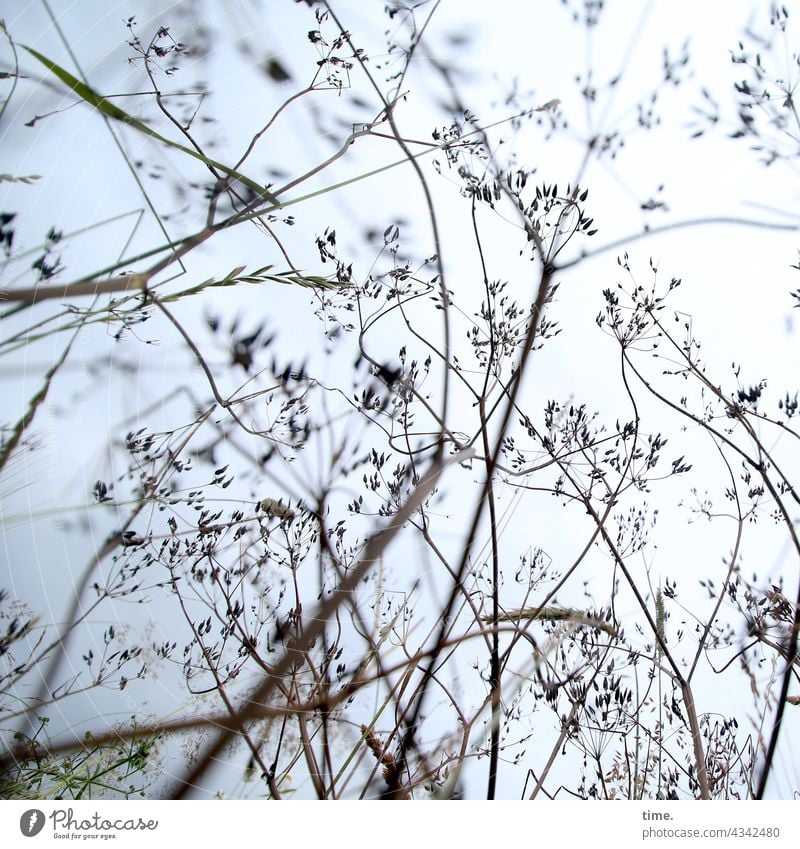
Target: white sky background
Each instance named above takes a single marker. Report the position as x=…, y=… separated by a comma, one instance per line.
x=736, y=280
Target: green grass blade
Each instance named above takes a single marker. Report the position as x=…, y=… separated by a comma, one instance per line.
x=91, y=97
x=110, y=110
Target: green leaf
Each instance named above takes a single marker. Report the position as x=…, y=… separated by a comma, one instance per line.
x=110, y=110
x=10, y=178
x=91, y=96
